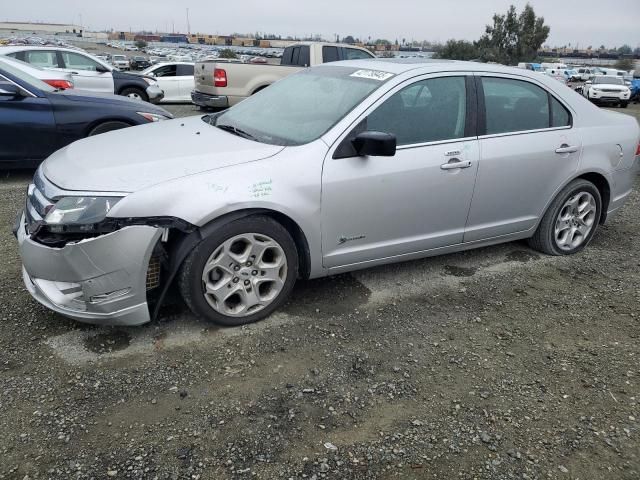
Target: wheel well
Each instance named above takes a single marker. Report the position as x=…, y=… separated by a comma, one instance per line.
x=258, y=89
x=304, y=254
x=124, y=87
x=102, y=121
x=603, y=187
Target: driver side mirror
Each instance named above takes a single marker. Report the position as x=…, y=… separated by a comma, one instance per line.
x=588, y=82
x=102, y=69
x=375, y=144
x=10, y=90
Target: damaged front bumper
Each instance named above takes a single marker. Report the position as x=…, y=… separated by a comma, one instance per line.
x=100, y=280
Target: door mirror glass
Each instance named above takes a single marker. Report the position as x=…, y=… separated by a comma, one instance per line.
x=375, y=144
x=9, y=90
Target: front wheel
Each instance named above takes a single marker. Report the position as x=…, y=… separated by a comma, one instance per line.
x=135, y=93
x=570, y=221
x=624, y=104
x=241, y=273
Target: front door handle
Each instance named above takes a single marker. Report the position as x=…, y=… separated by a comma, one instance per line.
x=564, y=148
x=454, y=163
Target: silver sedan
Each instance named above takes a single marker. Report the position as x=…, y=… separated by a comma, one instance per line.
x=340, y=167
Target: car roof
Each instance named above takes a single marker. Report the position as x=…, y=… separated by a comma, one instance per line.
x=22, y=48
x=399, y=66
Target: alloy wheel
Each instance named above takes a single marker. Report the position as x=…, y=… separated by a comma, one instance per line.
x=244, y=274
x=575, y=221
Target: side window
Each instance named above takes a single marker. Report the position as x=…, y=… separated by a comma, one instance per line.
x=305, y=56
x=185, y=70
x=514, y=105
x=295, y=56
x=287, y=56
x=41, y=58
x=330, y=54
x=79, y=62
x=426, y=111
x=560, y=116
x=166, y=71
x=355, y=54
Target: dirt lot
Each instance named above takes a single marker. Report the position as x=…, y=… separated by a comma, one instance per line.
x=494, y=364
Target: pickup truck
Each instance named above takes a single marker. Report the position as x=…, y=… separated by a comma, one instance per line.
x=223, y=84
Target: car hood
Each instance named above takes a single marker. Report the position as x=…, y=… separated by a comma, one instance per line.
x=610, y=86
x=134, y=158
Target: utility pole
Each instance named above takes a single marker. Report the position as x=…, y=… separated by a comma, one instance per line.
x=188, y=26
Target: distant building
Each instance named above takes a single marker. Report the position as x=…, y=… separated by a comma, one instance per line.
x=175, y=38
x=31, y=27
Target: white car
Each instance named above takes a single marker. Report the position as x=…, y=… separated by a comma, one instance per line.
x=88, y=72
x=121, y=62
x=61, y=80
x=607, y=89
x=175, y=79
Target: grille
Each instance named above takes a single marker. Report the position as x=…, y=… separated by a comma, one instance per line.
x=610, y=90
x=153, y=273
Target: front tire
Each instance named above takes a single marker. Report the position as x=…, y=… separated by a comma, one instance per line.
x=241, y=273
x=571, y=220
x=135, y=93
x=624, y=104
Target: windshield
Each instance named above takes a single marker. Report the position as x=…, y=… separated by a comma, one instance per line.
x=302, y=107
x=24, y=77
x=119, y=57
x=608, y=80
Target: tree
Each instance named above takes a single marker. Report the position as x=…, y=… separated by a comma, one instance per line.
x=625, y=64
x=141, y=44
x=227, y=53
x=349, y=39
x=625, y=50
x=458, y=50
x=513, y=38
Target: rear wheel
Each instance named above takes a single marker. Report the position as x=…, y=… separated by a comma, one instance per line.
x=570, y=221
x=136, y=93
x=241, y=273
x=107, y=127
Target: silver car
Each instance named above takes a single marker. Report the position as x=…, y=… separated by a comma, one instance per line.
x=340, y=167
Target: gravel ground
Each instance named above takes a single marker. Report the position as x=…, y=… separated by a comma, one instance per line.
x=498, y=363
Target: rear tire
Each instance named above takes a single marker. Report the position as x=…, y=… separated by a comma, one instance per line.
x=135, y=93
x=571, y=220
x=241, y=273
x=107, y=127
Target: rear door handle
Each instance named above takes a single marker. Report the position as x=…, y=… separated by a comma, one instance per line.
x=454, y=163
x=567, y=149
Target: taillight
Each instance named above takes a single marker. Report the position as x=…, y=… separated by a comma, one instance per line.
x=219, y=78
x=638, y=150
x=64, y=84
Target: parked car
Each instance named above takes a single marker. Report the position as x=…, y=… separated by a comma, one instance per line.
x=585, y=73
x=37, y=119
x=234, y=207
x=121, y=62
x=139, y=63
x=175, y=79
x=220, y=84
x=607, y=89
x=88, y=72
x=60, y=80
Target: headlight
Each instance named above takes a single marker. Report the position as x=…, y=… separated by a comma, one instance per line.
x=82, y=213
x=149, y=81
x=153, y=117
x=595, y=89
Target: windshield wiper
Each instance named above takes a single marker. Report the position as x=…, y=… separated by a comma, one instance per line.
x=237, y=131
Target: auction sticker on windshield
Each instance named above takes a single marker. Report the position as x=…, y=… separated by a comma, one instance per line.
x=372, y=74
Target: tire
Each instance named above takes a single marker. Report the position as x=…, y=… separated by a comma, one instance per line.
x=134, y=92
x=107, y=127
x=224, y=261
x=566, y=219
x=624, y=104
